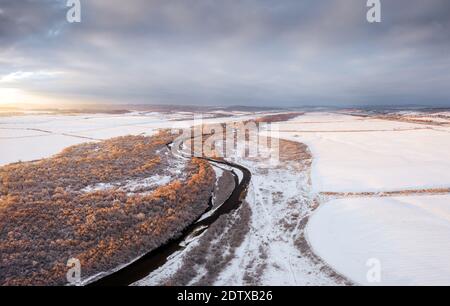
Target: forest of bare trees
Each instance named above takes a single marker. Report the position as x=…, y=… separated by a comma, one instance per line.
x=48, y=217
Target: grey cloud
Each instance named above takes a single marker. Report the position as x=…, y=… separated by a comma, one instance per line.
x=258, y=52
x=26, y=19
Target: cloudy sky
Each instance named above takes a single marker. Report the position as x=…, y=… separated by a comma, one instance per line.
x=226, y=52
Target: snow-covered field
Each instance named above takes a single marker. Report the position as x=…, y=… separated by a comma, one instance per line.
x=31, y=137
x=47, y=135
x=408, y=236
x=354, y=154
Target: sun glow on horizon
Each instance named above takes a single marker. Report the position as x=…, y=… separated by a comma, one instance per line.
x=14, y=96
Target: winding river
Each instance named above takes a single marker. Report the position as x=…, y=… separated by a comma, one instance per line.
x=153, y=260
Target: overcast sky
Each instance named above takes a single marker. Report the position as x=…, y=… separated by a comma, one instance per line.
x=226, y=52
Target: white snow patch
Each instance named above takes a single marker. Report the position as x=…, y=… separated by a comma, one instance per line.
x=132, y=185
x=410, y=236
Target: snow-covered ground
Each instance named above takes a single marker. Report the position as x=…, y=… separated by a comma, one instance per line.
x=408, y=236
x=354, y=154
x=31, y=137
x=49, y=134
x=279, y=199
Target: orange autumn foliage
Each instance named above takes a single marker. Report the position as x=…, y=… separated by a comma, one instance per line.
x=48, y=215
